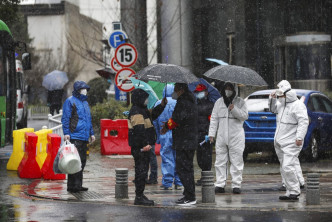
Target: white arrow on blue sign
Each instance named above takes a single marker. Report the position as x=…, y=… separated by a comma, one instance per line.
x=117, y=38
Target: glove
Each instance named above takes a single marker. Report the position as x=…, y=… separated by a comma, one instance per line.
x=126, y=113
x=207, y=139
x=66, y=137
x=93, y=138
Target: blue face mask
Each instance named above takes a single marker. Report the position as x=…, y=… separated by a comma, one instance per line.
x=200, y=95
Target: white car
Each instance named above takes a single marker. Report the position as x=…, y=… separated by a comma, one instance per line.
x=21, y=97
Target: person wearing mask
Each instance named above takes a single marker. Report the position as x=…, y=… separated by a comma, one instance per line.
x=77, y=128
x=229, y=113
x=184, y=126
x=204, y=149
x=167, y=153
x=141, y=138
x=292, y=125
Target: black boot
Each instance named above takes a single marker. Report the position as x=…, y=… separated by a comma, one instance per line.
x=143, y=200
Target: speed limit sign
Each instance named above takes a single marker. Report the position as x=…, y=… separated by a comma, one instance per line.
x=126, y=55
x=122, y=80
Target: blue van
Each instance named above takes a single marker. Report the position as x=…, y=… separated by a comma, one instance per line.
x=261, y=124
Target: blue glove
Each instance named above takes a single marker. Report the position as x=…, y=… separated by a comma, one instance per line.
x=126, y=113
x=207, y=138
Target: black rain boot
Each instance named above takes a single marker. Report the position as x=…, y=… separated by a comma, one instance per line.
x=143, y=200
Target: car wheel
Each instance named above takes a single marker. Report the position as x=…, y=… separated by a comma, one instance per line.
x=312, y=149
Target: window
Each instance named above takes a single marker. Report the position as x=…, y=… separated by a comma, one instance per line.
x=316, y=104
x=327, y=103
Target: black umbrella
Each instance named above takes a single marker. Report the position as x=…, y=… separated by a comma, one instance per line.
x=106, y=72
x=162, y=72
x=236, y=74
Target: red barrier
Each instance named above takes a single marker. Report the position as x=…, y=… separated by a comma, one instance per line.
x=114, y=137
x=53, y=145
x=29, y=167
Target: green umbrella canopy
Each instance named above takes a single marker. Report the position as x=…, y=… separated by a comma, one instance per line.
x=158, y=87
x=4, y=27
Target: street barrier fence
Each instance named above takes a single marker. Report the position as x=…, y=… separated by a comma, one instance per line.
x=29, y=167
x=38, y=112
x=18, y=148
x=114, y=137
x=53, y=146
x=42, y=145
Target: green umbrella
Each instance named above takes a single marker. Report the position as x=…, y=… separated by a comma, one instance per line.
x=158, y=87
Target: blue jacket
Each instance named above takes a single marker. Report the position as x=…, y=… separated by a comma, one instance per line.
x=76, y=117
x=166, y=139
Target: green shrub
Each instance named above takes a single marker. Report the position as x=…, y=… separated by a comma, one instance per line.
x=97, y=92
x=109, y=109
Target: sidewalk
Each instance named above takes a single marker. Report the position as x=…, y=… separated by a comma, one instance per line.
x=259, y=188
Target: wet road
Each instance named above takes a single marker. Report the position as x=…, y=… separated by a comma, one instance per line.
x=49, y=211
x=15, y=205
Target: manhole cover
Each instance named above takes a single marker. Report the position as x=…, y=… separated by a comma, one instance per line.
x=88, y=195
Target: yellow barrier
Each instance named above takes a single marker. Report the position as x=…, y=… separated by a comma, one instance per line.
x=18, y=148
x=42, y=146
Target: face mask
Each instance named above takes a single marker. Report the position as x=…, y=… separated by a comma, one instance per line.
x=146, y=102
x=228, y=93
x=84, y=92
x=200, y=95
x=175, y=96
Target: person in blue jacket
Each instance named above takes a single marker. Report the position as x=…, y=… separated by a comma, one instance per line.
x=77, y=128
x=167, y=153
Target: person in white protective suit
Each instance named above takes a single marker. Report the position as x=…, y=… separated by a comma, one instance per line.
x=229, y=113
x=292, y=125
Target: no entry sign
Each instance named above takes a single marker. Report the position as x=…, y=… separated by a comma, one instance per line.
x=122, y=80
x=126, y=55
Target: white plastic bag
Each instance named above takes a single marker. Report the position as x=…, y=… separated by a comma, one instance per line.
x=68, y=159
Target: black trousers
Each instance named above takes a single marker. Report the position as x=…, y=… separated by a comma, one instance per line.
x=204, y=156
x=142, y=160
x=55, y=107
x=75, y=181
x=185, y=170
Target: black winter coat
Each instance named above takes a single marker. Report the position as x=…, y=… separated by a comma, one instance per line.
x=141, y=131
x=205, y=108
x=185, y=115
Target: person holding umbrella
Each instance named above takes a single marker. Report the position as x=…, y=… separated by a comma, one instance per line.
x=204, y=150
x=184, y=126
x=229, y=113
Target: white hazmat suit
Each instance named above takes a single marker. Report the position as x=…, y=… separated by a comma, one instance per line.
x=230, y=141
x=292, y=125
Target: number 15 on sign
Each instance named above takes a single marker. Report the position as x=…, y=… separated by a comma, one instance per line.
x=126, y=55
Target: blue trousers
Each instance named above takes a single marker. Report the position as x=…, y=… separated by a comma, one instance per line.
x=168, y=167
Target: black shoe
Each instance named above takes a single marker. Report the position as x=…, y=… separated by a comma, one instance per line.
x=179, y=200
x=151, y=181
x=185, y=202
x=199, y=183
x=143, y=200
x=73, y=190
x=282, y=188
x=302, y=187
x=178, y=187
x=236, y=190
x=84, y=189
x=291, y=197
x=219, y=190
